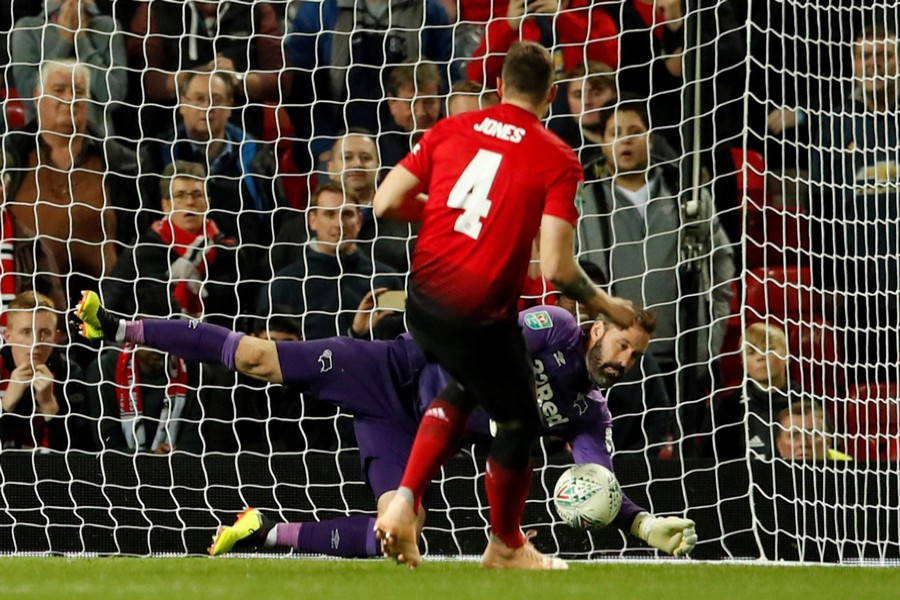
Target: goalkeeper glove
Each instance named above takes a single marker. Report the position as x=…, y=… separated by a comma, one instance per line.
x=672, y=535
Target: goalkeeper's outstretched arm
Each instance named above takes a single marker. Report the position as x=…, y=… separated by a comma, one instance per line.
x=672, y=535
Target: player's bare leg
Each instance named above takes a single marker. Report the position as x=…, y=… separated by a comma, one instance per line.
x=500, y=556
x=385, y=499
x=396, y=528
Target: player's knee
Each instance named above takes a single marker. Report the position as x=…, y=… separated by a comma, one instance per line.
x=457, y=395
x=513, y=443
x=519, y=432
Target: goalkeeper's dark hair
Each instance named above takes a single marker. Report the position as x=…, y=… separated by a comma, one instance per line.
x=176, y=169
x=644, y=318
x=528, y=71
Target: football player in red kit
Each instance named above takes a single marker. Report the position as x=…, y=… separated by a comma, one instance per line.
x=484, y=184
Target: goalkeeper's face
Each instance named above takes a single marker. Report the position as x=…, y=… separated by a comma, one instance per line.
x=612, y=351
x=31, y=334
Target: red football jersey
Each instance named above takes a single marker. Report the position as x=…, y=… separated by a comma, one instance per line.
x=490, y=175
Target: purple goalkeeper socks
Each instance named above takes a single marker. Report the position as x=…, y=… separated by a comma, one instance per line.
x=347, y=537
x=191, y=340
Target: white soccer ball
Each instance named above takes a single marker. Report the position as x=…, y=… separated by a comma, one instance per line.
x=587, y=496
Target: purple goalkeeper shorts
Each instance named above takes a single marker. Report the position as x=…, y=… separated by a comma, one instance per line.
x=374, y=381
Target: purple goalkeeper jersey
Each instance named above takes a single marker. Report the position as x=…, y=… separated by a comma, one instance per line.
x=387, y=386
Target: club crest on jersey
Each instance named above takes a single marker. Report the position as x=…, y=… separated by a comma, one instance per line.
x=581, y=404
x=538, y=320
x=325, y=362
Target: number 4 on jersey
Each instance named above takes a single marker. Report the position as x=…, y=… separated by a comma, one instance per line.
x=470, y=192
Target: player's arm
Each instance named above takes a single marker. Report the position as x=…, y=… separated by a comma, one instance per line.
x=672, y=535
x=560, y=268
x=400, y=196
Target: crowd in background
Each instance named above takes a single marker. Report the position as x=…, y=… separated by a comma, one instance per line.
x=217, y=161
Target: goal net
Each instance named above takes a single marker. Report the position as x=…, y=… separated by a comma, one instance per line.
x=741, y=180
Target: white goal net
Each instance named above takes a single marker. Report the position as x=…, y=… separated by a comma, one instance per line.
x=216, y=161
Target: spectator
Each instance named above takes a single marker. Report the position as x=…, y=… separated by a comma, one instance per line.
x=23, y=267
x=767, y=392
x=142, y=401
x=326, y=282
x=632, y=228
x=572, y=29
x=652, y=44
x=354, y=160
x=42, y=392
x=343, y=50
x=57, y=162
x=240, y=169
x=466, y=96
x=183, y=256
x=72, y=29
x=854, y=202
x=414, y=105
x=589, y=87
x=239, y=38
x=804, y=434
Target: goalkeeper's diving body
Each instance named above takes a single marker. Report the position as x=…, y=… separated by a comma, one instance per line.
x=388, y=386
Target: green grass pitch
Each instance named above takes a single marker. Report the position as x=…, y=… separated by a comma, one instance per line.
x=252, y=578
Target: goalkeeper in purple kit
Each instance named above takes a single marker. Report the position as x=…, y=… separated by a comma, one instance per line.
x=388, y=386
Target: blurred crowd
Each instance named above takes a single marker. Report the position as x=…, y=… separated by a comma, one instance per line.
x=217, y=161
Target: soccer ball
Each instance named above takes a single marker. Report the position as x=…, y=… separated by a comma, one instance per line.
x=587, y=496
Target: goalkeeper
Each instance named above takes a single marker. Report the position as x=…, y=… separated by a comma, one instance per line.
x=387, y=387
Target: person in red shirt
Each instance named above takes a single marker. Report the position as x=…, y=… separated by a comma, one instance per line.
x=574, y=30
x=493, y=178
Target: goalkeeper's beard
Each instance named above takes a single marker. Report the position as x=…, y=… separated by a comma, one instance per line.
x=599, y=372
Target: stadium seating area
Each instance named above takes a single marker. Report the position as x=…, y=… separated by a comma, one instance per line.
x=297, y=77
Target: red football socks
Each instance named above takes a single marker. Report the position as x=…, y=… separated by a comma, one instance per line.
x=436, y=441
x=507, y=491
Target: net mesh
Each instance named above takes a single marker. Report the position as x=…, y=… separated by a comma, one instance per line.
x=772, y=200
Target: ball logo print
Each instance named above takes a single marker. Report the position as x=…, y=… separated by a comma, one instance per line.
x=587, y=496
